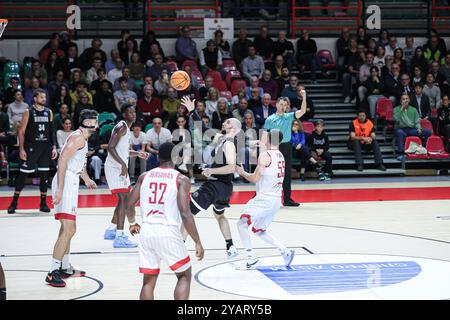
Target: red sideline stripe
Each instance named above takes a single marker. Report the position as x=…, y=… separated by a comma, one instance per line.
x=148, y=271
x=124, y=190
x=180, y=263
x=242, y=197
x=66, y=216
x=257, y=230
x=249, y=219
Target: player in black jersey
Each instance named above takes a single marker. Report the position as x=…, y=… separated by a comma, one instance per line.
x=37, y=145
x=218, y=189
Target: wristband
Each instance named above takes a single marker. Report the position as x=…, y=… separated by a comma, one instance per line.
x=133, y=223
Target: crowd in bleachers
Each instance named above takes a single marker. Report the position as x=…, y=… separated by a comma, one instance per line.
x=242, y=79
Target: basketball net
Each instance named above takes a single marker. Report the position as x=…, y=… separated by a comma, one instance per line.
x=3, y=24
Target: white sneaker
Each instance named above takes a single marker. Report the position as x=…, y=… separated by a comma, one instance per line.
x=288, y=256
x=183, y=168
x=232, y=252
x=347, y=100
x=251, y=264
x=353, y=100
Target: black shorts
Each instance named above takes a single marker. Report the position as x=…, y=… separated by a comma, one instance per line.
x=38, y=157
x=216, y=193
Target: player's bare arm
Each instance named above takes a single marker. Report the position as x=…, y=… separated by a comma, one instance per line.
x=186, y=214
x=263, y=161
x=21, y=134
x=87, y=180
x=230, y=155
x=117, y=133
x=130, y=203
x=302, y=111
x=73, y=144
x=53, y=137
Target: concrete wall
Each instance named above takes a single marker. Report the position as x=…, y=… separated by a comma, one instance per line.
x=18, y=49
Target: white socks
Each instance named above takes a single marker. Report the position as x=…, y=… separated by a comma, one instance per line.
x=244, y=233
x=272, y=241
x=112, y=226
x=119, y=233
x=65, y=262
x=56, y=264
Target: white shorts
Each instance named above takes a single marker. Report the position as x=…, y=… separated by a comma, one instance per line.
x=160, y=242
x=260, y=211
x=116, y=182
x=67, y=207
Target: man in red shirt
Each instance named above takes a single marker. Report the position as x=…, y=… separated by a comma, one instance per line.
x=149, y=106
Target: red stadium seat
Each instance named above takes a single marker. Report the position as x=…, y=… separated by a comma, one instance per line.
x=228, y=65
x=434, y=113
x=197, y=74
x=308, y=126
x=172, y=66
x=426, y=125
x=220, y=85
x=419, y=142
x=190, y=63
x=233, y=74
x=383, y=104
x=326, y=59
x=236, y=85
x=226, y=94
x=215, y=75
x=435, y=148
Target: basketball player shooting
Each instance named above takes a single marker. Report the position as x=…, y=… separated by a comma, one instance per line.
x=160, y=236
x=116, y=172
x=259, y=211
x=65, y=185
x=218, y=189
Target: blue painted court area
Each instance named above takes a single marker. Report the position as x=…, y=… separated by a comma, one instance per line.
x=339, y=277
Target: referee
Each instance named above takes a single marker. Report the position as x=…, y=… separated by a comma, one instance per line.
x=283, y=122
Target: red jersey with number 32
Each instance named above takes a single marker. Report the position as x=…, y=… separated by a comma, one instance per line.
x=271, y=181
x=159, y=191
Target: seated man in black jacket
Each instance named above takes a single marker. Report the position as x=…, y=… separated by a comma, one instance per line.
x=319, y=144
x=306, y=53
x=420, y=101
x=392, y=82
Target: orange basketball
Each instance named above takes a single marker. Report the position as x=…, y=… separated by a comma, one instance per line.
x=180, y=80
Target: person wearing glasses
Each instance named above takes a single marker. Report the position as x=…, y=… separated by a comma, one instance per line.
x=185, y=47
x=282, y=121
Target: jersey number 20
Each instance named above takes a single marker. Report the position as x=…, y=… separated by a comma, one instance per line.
x=155, y=189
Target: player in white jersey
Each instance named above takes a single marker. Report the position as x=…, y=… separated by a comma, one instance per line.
x=259, y=211
x=65, y=185
x=164, y=204
x=116, y=172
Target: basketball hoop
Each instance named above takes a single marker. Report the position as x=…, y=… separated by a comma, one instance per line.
x=3, y=24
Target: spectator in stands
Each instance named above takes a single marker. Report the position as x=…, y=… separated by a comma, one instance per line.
x=187, y=68
x=420, y=101
x=60, y=116
x=389, y=60
x=297, y=102
x=173, y=119
x=254, y=84
x=111, y=63
x=210, y=58
x=82, y=104
x=268, y=84
x=277, y=67
x=383, y=38
x=147, y=81
x=171, y=103
x=149, y=106
x=71, y=60
x=409, y=50
x=162, y=85
x=419, y=60
x=392, y=83
x=283, y=80
x=241, y=46
x=407, y=123
x=53, y=47
x=14, y=84
x=124, y=95
x=137, y=143
x=362, y=37
x=104, y=99
x=444, y=70
x=88, y=54
x=136, y=67
x=197, y=115
x=342, y=45
x=354, y=58
x=221, y=114
x=374, y=87
x=291, y=90
x=60, y=97
x=155, y=137
x=299, y=148
x=16, y=109
x=398, y=59
x=63, y=134
x=91, y=74
x=131, y=83
x=391, y=46
x=362, y=137
x=75, y=77
x=96, y=84
x=7, y=136
x=364, y=74
x=441, y=43
x=185, y=47
x=131, y=8
x=155, y=70
x=190, y=91
x=80, y=88
x=122, y=44
x=432, y=91
x=444, y=121
x=37, y=71
x=265, y=110
x=418, y=76
x=306, y=53
x=52, y=66
x=222, y=45
x=203, y=91
x=285, y=48
x=211, y=101
x=182, y=138
x=96, y=155
x=372, y=46
x=29, y=92
x=241, y=110
x=264, y=44
x=131, y=48
x=255, y=99
x=319, y=144
x=66, y=38
x=241, y=93
x=432, y=52
x=146, y=43
x=56, y=83
x=439, y=79
x=252, y=65
x=404, y=87
x=379, y=59
x=116, y=73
